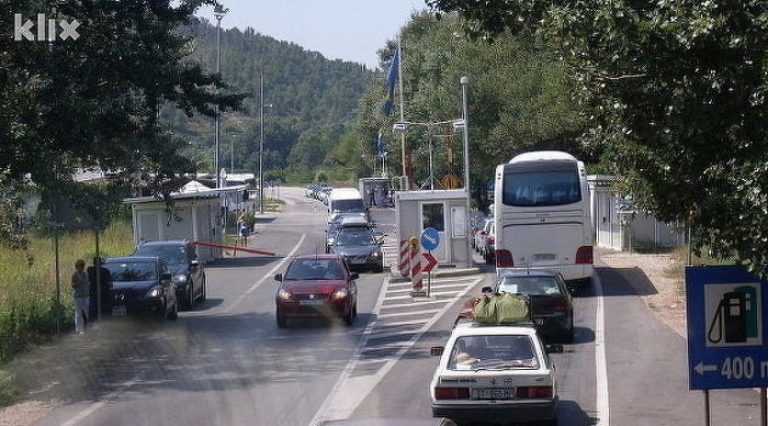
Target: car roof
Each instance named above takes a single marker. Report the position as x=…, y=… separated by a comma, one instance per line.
x=354, y=221
x=129, y=259
x=475, y=329
x=163, y=243
x=317, y=256
x=527, y=273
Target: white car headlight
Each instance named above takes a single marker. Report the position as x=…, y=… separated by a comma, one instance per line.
x=284, y=295
x=341, y=293
x=180, y=278
x=376, y=254
x=154, y=292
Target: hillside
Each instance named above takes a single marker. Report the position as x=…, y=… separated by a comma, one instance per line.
x=312, y=100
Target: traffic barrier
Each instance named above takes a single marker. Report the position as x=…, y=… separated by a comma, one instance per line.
x=405, y=259
x=416, y=280
x=236, y=248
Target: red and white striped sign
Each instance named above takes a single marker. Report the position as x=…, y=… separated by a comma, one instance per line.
x=417, y=283
x=405, y=258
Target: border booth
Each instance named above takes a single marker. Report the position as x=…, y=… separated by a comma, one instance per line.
x=443, y=210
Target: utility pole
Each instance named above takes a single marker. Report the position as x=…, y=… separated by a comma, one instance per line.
x=465, y=115
x=261, y=141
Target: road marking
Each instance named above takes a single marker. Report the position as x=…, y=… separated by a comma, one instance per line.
x=122, y=388
x=441, y=293
x=401, y=323
x=405, y=314
x=388, y=334
x=407, y=305
x=349, y=392
x=267, y=275
x=406, y=290
x=601, y=373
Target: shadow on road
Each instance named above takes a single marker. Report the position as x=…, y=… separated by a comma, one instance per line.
x=206, y=305
x=624, y=282
x=569, y=413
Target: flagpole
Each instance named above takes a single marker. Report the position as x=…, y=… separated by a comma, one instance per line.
x=402, y=110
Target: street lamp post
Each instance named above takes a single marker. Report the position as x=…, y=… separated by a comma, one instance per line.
x=261, y=141
x=464, y=81
x=218, y=12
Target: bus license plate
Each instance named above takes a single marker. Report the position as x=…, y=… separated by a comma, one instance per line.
x=544, y=257
x=119, y=311
x=507, y=393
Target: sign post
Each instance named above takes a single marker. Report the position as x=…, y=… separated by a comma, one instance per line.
x=727, y=332
x=430, y=239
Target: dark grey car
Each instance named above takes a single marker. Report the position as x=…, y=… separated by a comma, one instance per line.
x=360, y=249
x=188, y=273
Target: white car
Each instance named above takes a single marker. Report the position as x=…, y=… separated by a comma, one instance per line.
x=495, y=373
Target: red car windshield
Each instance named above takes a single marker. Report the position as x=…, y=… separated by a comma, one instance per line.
x=314, y=269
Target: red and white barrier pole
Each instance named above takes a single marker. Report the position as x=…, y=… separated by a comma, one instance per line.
x=417, y=283
x=405, y=258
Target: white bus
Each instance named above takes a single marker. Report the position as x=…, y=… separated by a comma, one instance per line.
x=542, y=215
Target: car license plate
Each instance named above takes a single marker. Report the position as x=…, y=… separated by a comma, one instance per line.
x=357, y=261
x=119, y=311
x=506, y=393
x=310, y=302
x=544, y=256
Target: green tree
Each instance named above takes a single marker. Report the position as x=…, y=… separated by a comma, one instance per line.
x=676, y=93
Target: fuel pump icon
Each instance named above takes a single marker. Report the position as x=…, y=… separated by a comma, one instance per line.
x=736, y=318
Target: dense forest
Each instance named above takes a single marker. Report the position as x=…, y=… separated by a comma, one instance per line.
x=309, y=101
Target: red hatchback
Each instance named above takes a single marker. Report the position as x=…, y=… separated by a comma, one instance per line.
x=316, y=286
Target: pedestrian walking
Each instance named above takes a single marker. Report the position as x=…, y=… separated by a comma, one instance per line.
x=242, y=228
x=104, y=282
x=81, y=287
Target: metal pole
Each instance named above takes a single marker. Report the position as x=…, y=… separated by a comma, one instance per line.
x=402, y=111
x=261, y=141
x=232, y=154
x=707, y=417
x=465, y=115
x=431, y=175
x=689, y=245
x=58, y=279
x=763, y=407
x=97, y=271
x=217, y=154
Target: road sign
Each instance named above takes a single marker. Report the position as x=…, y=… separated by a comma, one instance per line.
x=431, y=262
x=727, y=334
x=430, y=239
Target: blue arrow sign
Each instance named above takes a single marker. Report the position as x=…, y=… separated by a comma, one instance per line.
x=430, y=239
x=727, y=333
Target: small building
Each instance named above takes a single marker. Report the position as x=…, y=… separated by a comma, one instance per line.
x=619, y=226
x=376, y=191
x=196, y=214
x=444, y=210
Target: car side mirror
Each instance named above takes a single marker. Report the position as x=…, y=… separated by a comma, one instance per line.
x=278, y=277
x=354, y=276
x=436, y=350
x=554, y=348
x=194, y=262
x=167, y=276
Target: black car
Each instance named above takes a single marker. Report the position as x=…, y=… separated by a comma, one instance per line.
x=360, y=249
x=551, y=302
x=339, y=221
x=188, y=272
x=142, y=284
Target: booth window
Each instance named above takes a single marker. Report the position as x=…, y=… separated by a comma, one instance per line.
x=433, y=216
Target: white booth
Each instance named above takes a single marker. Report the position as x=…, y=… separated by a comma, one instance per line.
x=444, y=210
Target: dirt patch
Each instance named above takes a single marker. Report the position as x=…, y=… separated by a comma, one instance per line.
x=24, y=413
x=665, y=272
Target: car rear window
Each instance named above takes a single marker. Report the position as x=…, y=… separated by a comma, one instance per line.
x=532, y=286
x=348, y=206
x=493, y=352
x=173, y=254
x=315, y=269
x=132, y=271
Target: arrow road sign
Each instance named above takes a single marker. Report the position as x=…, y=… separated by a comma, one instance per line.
x=701, y=368
x=431, y=262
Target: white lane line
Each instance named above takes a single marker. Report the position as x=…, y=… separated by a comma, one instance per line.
x=441, y=293
x=408, y=305
x=349, y=392
x=457, y=280
x=122, y=388
x=386, y=335
x=267, y=275
x=406, y=314
x=601, y=373
x=402, y=323
x=439, y=286
x=352, y=363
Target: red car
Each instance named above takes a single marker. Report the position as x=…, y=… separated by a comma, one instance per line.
x=316, y=286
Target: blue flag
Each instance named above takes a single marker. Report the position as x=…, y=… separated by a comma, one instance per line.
x=392, y=75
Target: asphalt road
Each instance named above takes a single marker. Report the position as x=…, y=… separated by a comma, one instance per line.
x=226, y=362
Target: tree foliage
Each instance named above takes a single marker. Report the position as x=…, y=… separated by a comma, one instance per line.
x=676, y=91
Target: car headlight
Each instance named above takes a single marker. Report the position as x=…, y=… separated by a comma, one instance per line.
x=154, y=292
x=180, y=278
x=340, y=293
x=331, y=241
x=376, y=254
x=284, y=295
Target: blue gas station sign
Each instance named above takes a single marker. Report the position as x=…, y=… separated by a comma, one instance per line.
x=727, y=333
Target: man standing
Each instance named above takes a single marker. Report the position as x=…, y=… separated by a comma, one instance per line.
x=104, y=282
x=81, y=287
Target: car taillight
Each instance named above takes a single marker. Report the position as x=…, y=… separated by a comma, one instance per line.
x=534, y=392
x=584, y=255
x=561, y=304
x=451, y=393
x=504, y=259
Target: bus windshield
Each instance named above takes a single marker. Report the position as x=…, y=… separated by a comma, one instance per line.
x=541, y=188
